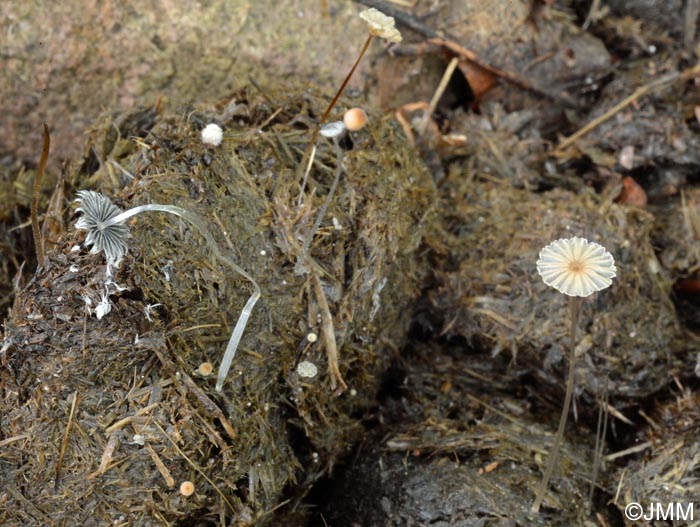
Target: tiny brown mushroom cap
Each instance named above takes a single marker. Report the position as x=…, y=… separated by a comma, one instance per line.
x=355, y=119
x=205, y=369
x=187, y=488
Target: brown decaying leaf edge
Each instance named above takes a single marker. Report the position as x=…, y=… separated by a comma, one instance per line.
x=441, y=39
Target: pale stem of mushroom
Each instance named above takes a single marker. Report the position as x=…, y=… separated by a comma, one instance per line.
x=199, y=224
x=324, y=208
x=574, y=304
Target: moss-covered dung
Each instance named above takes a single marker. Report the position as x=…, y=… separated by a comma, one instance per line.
x=144, y=420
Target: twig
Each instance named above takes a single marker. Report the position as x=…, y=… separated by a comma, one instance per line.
x=107, y=454
x=639, y=92
x=312, y=156
x=593, y=14
x=328, y=336
x=13, y=439
x=64, y=443
x=38, y=241
x=129, y=418
x=628, y=451
x=496, y=411
x=167, y=476
x=692, y=9
x=438, y=93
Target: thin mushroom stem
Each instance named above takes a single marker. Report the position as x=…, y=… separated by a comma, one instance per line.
x=199, y=224
x=314, y=135
x=324, y=207
x=574, y=304
x=345, y=82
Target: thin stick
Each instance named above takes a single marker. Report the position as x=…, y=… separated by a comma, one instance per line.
x=593, y=12
x=129, y=418
x=167, y=476
x=508, y=76
x=692, y=8
x=328, y=331
x=306, y=175
x=64, y=442
x=38, y=241
x=574, y=303
x=639, y=92
x=636, y=449
x=107, y=454
x=438, y=93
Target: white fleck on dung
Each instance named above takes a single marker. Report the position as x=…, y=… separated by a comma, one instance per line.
x=212, y=134
x=103, y=308
x=307, y=369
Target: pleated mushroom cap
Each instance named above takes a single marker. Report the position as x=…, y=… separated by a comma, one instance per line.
x=381, y=25
x=576, y=267
x=97, y=209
